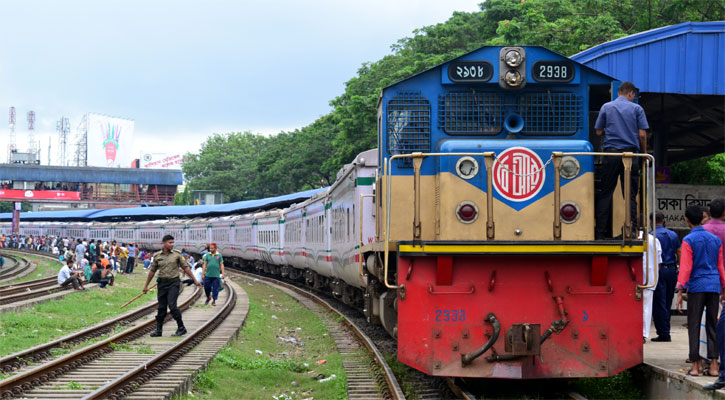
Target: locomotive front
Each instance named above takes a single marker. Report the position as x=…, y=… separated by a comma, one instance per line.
x=485, y=221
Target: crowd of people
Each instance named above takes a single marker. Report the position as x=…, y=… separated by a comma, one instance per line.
x=699, y=280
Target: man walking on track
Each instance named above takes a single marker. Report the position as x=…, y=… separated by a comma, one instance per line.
x=213, y=272
x=168, y=262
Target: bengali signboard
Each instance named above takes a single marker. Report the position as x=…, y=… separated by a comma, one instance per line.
x=15, y=194
x=673, y=199
x=161, y=160
x=110, y=141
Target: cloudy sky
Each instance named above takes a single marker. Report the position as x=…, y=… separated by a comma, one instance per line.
x=183, y=70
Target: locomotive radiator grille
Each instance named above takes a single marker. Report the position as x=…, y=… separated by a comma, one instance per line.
x=470, y=113
x=550, y=113
x=408, y=125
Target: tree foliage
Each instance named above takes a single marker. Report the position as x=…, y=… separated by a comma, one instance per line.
x=7, y=206
x=246, y=166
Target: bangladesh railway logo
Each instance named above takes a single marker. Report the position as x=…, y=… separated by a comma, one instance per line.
x=518, y=174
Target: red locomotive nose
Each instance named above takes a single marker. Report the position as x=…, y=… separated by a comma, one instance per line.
x=569, y=212
x=467, y=212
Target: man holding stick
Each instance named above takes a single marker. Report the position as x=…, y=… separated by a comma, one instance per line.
x=168, y=261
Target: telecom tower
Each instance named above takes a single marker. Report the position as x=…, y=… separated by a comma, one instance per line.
x=32, y=144
x=81, y=156
x=63, y=128
x=11, y=141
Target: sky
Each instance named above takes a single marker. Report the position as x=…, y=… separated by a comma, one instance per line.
x=183, y=70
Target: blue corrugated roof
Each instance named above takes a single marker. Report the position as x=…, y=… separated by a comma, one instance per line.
x=186, y=211
x=687, y=58
x=166, y=211
x=43, y=173
x=84, y=213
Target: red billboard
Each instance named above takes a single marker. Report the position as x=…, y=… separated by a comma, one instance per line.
x=19, y=194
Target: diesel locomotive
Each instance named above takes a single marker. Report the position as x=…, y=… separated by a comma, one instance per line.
x=468, y=234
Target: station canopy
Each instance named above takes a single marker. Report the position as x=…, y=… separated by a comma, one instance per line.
x=680, y=73
x=163, y=212
x=136, y=176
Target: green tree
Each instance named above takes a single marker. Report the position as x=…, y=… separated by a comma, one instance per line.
x=7, y=206
x=708, y=170
x=183, y=198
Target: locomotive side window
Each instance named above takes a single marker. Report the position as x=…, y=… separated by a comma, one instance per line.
x=408, y=125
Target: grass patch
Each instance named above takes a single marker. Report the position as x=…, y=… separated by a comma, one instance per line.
x=620, y=386
x=45, y=268
x=132, y=348
x=291, y=340
x=56, y=318
x=403, y=373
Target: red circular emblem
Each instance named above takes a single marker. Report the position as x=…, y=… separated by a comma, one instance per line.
x=518, y=174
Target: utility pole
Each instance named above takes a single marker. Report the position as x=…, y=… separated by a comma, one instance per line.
x=63, y=128
x=11, y=142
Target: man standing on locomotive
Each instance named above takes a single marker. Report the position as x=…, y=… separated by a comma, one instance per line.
x=168, y=261
x=623, y=124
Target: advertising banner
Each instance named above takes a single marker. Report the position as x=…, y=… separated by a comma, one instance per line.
x=673, y=199
x=161, y=160
x=110, y=141
x=16, y=194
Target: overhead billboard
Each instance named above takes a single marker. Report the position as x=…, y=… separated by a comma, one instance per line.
x=161, y=160
x=110, y=141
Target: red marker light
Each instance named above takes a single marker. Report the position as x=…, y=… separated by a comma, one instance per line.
x=467, y=212
x=569, y=212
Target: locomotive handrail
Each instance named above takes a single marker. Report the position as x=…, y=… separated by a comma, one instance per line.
x=360, y=227
x=650, y=170
x=488, y=159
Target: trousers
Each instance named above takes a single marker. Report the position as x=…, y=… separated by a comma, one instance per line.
x=167, y=295
x=647, y=296
x=212, y=285
x=720, y=330
x=662, y=304
x=72, y=280
x=613, y=169
x=696, y=303
x=130, y=264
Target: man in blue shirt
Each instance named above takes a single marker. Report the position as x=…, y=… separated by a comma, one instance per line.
x=665, y=291
x=623, y=124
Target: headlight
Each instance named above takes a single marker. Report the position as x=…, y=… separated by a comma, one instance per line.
x=513, y=58
x=569, y=167
x=512, y=78
x=467, y=167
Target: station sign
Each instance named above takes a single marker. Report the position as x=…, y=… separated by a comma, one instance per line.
x=30, y=195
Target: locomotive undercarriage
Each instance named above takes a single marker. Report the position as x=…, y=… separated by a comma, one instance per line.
x=378, y=304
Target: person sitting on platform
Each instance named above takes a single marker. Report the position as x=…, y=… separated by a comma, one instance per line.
x=102, y=276
x=702, y=272
x=67, y=277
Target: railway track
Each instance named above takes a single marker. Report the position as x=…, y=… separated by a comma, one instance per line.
x=14, y=293
x=111, y=368
x=14, y=267
x=364, y=382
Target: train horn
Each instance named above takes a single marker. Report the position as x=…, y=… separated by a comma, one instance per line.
x=513, y=123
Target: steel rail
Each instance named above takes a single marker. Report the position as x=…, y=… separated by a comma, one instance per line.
x=128, y=382
x=17, y=384
x=24, y=286
x=38, y=353
x=10, y=272
x=393, y=387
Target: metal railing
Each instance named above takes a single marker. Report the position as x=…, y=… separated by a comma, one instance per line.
x=556, y=158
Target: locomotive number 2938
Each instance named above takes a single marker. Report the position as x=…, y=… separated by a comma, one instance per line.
x=450, y=315
x=553, y=71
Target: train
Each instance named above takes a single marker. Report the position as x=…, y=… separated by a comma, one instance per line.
x=468, y=233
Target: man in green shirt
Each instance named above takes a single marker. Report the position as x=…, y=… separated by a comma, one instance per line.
x=168, y=261
x=213, y=272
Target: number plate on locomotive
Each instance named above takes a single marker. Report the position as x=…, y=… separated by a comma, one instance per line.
x=470, y=71
x=553, y=71
x=451, y=315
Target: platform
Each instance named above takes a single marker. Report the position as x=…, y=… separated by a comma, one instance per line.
x=666, y=361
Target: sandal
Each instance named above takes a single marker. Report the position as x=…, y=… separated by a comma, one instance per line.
x=689, y=372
